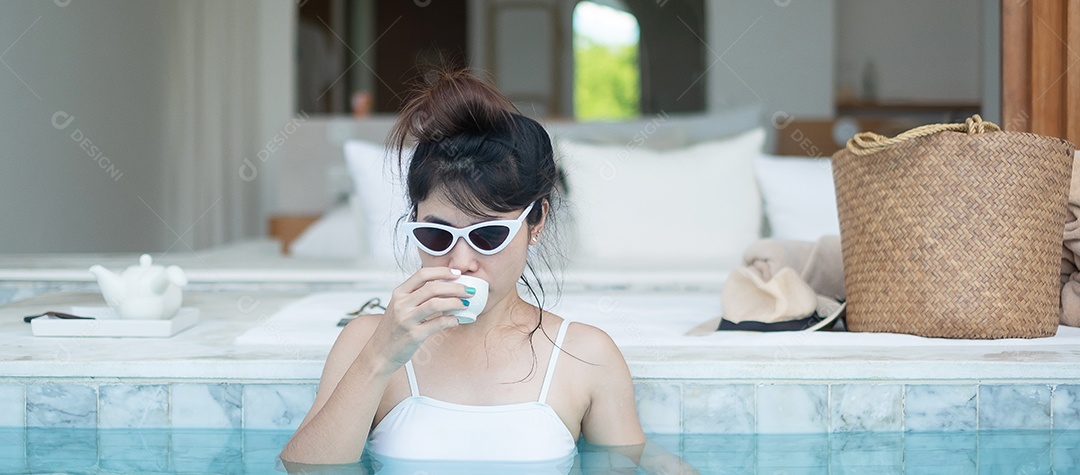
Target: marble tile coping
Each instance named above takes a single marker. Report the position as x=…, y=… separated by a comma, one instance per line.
x=207, y=352
x=663, y=406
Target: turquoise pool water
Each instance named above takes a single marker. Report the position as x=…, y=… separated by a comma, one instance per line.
x=250, y=451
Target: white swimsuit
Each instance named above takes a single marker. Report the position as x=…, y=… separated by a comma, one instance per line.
x=422, y=428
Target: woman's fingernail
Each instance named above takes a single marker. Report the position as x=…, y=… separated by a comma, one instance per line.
x=466, y=302
x=470, y=290
x=455, y=271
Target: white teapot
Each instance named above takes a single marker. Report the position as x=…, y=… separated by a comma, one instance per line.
x=144, y=292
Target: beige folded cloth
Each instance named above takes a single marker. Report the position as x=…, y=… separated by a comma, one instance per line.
x=1070, y=250
x=820, y=264
x=780, y=281
x=781, y=297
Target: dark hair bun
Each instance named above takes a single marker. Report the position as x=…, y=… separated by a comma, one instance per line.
x=473, y=145
x=453, y=102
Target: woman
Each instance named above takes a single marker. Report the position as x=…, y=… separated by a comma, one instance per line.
x=517, y=384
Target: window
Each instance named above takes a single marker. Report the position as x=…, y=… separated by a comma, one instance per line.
x=607, y=73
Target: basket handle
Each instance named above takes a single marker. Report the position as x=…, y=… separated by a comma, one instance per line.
x=866, y=143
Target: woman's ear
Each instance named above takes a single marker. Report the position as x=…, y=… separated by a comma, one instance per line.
x=538, y=228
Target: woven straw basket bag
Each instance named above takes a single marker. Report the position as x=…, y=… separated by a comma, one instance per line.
x=953, y=230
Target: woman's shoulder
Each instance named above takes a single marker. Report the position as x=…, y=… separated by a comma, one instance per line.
x=363, y=324
x=594, y=359
x=590, y=343
x=357, y=333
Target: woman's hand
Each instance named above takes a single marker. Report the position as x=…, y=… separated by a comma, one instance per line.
x=416, y=311
x=362, y=362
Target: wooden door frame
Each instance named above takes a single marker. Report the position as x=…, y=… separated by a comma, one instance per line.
x=1040, y=67
x=553, y=101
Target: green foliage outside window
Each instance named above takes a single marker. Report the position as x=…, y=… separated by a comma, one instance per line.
x=607, y=82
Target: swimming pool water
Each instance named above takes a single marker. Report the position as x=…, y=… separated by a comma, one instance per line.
x=36, y=450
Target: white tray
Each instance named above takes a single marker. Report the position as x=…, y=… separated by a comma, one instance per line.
x=107, y=324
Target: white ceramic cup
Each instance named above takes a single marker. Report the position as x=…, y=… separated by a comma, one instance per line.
x=476, y=303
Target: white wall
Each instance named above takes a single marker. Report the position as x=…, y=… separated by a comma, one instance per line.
x=530, y=40
x=230, y=97
x=311, y=173
x=100, y=63
x=775, y=52
x=924, y=50
x=126, y=122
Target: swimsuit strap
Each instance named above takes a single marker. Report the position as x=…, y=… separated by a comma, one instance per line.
x=551, y=362
x=412, y=378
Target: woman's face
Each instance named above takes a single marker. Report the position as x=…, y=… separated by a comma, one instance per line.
x=501, y=270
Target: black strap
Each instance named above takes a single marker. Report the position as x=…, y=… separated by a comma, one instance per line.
x=786, y=326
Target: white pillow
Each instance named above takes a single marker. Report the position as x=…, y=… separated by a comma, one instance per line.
x=334, y=236
x=800, y=199
x=380, y=194
x=692, y=207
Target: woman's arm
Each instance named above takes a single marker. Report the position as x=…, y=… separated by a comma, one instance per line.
x=352, y=385
x=611, y=420
x=359, y=367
